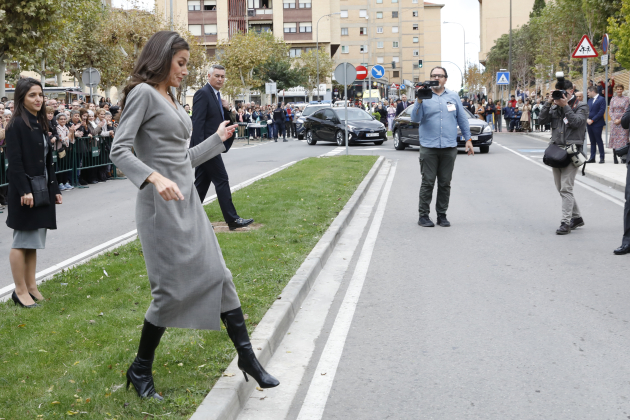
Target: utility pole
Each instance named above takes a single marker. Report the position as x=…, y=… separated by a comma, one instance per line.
x=510, y=53
x=172, y=14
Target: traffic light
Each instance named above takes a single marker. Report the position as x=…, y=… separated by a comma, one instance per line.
x=419, y=64
x=394, y=65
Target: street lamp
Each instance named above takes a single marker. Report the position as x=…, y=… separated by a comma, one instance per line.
x=317, y=44
x=464, y=42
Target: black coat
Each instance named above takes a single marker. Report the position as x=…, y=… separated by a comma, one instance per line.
x=206, y=117
x=25, y=151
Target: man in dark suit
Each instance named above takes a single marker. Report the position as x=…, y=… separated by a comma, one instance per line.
x=402, y=105
x=625, y=240
x=208, y=114
x=596, y=123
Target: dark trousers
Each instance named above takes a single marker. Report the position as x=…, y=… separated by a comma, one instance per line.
x=513, y=124
x=436, y=163
x=595, y=135
x=213, y=171
x=279, y=130
x=288, y=126
x=626, y=211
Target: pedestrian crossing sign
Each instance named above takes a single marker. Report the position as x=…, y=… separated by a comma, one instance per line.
x=585, y=49
x=503, y=78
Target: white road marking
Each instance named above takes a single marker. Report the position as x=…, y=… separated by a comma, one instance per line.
x=577, y=181
x=319, y=389
x=334, y=152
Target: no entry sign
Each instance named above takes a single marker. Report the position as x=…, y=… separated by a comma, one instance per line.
x=362, y=72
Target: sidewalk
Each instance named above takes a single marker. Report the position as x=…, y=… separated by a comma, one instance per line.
x=608, y=173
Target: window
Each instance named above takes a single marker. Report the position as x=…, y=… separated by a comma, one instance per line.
x=290, y=28
x=395, y=59
x=259, y=4
x=414, y=1
x=307, y=49
x=379, y=60
x=396, y=73
x=295, y=52
x=379, y=15
x=379, y=44
x=288, y=4
x=362, y=31
x=379, y=1
x=415, y=13
x=306, y=27
x=195, y=29
x=194, y=5
x=416, y=79
x=379, y=30
x=305, y=4
x=395, y=44
x=394, y=1
x=415, y=66
x=395, y=14
x=364, y=48
x=345, y=49
x=415, y=39
x=209, y=29
x=416, y=53
x=344, y=31
x=363, y=13
x=394, y=29
x=344, y=14
x=210, y=5
x=415, y=26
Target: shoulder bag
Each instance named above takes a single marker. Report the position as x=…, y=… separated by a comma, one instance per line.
x=40, y=190
x=556, y=156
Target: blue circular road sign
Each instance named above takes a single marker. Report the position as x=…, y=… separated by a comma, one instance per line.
x=378, y=71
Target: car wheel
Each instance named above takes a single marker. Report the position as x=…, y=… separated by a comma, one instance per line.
x=340, y=140
x=378, y=143
x=484, y=149
x=309, y=138
x=398, y=144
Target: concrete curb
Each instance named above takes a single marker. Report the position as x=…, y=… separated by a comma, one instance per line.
x=230, y=394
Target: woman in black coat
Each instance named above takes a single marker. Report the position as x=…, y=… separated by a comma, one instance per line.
x=29, y=155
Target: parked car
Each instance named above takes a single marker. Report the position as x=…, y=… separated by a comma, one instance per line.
x=308, y=110
x=328, y=124
x=406, y=132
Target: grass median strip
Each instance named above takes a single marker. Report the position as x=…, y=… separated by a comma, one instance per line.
x=69, y=357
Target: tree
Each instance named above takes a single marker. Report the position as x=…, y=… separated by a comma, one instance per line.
x=619, y=30
x=283, y=71
x=539, y=5
x=308, y=60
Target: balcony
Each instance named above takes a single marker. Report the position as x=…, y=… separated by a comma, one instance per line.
x=259, y=14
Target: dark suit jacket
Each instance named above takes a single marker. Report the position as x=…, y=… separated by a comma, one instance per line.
x=596, y=111
x=206, y=116
x=400, y=108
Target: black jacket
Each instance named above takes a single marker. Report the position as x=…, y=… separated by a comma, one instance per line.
x=25, y=151
x=279, y=115
x=206, y=117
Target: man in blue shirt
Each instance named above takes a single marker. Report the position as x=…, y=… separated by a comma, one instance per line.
x=439, y=118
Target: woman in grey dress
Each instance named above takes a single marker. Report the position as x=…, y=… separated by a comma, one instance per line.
x=190, y=284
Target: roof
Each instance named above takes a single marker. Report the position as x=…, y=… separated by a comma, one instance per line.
x=427, y=4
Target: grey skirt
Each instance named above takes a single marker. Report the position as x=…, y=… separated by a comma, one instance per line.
x=29, y=239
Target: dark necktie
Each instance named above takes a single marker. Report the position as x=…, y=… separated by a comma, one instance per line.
x=220, y=105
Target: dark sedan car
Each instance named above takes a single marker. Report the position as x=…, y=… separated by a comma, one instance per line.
x=328, y=124
x=406, y=132
x=310, y=109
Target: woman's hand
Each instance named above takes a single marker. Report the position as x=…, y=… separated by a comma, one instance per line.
x=53, y=140
x=617, y=121
x=226, y=132
x=27, y=200
x=167, y=189
x=58, y=199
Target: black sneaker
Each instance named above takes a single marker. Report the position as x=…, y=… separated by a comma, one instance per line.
x=577, y=222
x=564, y=229
x=442, y=221
x=425, y=221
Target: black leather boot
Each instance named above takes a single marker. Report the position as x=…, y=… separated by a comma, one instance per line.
x=247, y=361
x=139, y=373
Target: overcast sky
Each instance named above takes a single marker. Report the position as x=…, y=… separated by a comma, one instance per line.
x=465, y=12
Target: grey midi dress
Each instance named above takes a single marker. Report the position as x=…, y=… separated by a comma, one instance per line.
x=190, y=283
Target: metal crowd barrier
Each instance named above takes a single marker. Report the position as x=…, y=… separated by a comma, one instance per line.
x=85, y=153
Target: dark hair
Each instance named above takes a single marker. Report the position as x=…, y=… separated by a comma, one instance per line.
x=154, y=64
x=19, y=111
x=438, y=67
x=567, y=84
x=592, y=88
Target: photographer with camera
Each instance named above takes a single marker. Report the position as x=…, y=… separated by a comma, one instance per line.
x=567, y=117
x=438, y=111
x=625, y=241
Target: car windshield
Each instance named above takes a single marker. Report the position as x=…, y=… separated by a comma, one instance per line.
x=311, y=109
x=354, y=114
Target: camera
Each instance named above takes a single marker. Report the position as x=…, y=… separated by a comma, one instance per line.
x=423, y=90
x=559, y=93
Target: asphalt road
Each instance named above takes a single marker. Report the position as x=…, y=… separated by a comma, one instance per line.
x=92, y=216
x=496, y=317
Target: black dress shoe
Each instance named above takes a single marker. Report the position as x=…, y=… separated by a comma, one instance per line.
x=592, y=160
x=82, y=181
x=425, y=221
x=442, y=221
x=602, y=161
x=239, y=223
x=622, y=250
x=564, y=229
x=576, y=222
x=17, y=301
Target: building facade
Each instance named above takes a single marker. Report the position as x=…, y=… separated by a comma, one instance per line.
x=494, y=16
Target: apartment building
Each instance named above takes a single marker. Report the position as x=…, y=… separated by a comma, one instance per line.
x=494, y=17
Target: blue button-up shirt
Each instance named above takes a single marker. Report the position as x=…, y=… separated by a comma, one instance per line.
x=438, y=125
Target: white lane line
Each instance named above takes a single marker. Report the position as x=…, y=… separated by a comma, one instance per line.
x=334, y=152
x=577, y=181
x=85, y=256
x=319, y=389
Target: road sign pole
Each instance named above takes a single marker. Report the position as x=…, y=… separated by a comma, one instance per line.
x=584, y=83
x=345, y=92
x=606, y=98
x=370, y=81
x=91, y=96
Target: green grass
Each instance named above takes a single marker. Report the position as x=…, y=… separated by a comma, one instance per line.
x=66, y=359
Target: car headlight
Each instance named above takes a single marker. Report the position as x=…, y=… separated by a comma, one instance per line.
x=351, y=128
x=488, y=129
x=300, y=120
